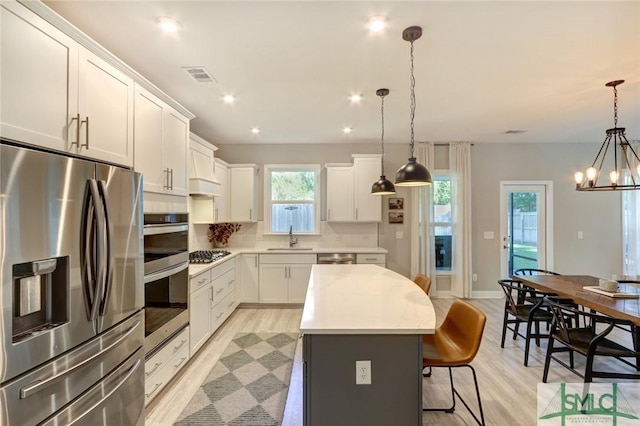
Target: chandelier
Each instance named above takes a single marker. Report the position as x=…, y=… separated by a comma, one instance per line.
x=621, y=163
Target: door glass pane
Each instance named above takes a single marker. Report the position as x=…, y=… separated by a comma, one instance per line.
x=523, y=230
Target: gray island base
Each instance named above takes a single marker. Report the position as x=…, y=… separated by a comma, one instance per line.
x=364, y=313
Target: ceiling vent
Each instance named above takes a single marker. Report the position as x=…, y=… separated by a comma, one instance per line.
x=200, y=74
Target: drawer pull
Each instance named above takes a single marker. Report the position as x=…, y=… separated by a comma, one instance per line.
x=230, y=304
x=180, y=363
x=155, y=367
x=231, y=282
x=218, y=291
x=219, y=315
x=176, y=348
x=370, y=258
x=204, y=280
x=155, y=388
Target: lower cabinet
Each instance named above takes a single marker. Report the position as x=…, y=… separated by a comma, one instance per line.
x=284, y=278
x=212, y=298
x=372, y=258
x=161, y=367
x=249, y=283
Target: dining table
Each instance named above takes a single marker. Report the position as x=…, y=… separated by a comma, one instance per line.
x=626, y=306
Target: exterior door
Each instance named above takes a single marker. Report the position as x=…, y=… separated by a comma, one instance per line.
x=525, y=228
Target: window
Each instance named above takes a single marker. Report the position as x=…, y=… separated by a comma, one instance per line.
x=292, y=198
x=441, y=220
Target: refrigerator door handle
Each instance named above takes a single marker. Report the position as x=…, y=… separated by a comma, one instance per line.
x=109, y=256
x=100, y=247
x=38, y=385
x=108, y=395
x=89, y=264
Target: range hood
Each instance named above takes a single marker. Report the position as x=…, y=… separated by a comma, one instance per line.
x=202, y=178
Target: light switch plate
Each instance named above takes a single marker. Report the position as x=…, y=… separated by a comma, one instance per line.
x=488, y=235
x=399, y=235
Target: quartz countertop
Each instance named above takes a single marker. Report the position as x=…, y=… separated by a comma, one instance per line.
x=364, y=299
x=198, y=268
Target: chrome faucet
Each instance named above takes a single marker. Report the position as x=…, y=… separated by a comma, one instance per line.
x=292, y=241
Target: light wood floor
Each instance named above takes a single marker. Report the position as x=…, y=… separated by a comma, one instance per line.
x=508, y=388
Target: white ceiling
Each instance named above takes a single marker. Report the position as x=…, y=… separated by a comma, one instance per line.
x=481, y=67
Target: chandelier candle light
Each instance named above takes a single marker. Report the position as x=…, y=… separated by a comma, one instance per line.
x=412, y=173
x=625, y=159
x=382, y=186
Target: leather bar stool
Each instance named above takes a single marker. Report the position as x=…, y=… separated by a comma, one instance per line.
x=424, y=282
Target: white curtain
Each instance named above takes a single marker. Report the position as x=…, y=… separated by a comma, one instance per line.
x=460, y=168
x=631, y=231
x=422, y=240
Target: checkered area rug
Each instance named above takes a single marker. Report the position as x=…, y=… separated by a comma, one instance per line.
x=248, y=385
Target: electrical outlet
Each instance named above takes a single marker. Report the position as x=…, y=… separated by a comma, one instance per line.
x=363, y=372
x=474, y=277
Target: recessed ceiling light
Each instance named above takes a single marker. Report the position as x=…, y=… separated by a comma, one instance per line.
x=355, y=98
x=228, y=99
x=255, y=130
x=346, y=130
x=377, y=24
x=168, y=25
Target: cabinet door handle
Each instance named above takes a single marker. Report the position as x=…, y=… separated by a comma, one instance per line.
x=356, y=214
x=177, y=348
x=77, y=120
x=155, y=388
x=175, y=366
x=250, y=214
x=256, y=258
x=211, y=294
x=155, y=367
x=216, y=215
x=172, y=179
x=86, y=134
x=167, y=186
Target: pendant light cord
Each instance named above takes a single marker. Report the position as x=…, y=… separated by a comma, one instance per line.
x=615, y=106
x=382, y=136
x=412, y=99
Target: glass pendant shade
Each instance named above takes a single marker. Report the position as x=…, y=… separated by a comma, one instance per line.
x=413, y=174
x=383, y=186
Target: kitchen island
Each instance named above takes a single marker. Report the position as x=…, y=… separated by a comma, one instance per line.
x=355, y=313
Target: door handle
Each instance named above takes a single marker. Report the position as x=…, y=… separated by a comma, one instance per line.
x=109, y=256
x=77, y=120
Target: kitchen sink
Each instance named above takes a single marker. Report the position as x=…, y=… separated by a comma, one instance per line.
x=290, y=248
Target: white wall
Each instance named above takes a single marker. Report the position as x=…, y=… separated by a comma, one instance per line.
x=597, y=215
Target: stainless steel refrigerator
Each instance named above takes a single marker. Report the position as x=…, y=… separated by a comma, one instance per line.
x=72, y=324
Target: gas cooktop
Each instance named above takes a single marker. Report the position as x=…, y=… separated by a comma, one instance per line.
x=207, y=256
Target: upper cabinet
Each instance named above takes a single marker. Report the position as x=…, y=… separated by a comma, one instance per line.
x=349, y=196
x=202, y=178
x=58, y=95
x=221, y=203
x=161, y=136
x=243, y=196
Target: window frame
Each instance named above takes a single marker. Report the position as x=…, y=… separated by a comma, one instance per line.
x=268, y=169
x=439, y=173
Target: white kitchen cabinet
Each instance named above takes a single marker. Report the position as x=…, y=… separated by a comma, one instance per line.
x=372, y=259
x=202, y=179
x=249, y=278
x=201, y=297
x=223, y=283
x=349, y=196
x=284, y=278
x=340, y=200
x=161, y=135
x=221, y=203
x=160, y=368
x=58, y=95
x=243, y=196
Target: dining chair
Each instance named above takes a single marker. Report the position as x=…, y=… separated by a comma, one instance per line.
x=455, y=343
x=533, y=271
x=591, y=341
x=523, y=305
x=424, y=282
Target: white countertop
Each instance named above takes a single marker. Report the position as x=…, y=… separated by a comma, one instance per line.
x=198, y=268
x=364, y=299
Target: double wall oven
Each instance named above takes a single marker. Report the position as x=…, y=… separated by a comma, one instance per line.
x=166, y=277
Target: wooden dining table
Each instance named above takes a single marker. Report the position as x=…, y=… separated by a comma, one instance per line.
x=572, y=287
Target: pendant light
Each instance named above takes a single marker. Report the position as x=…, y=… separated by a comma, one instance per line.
x=412, y=173
x=382, y=186
x=625, y=165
